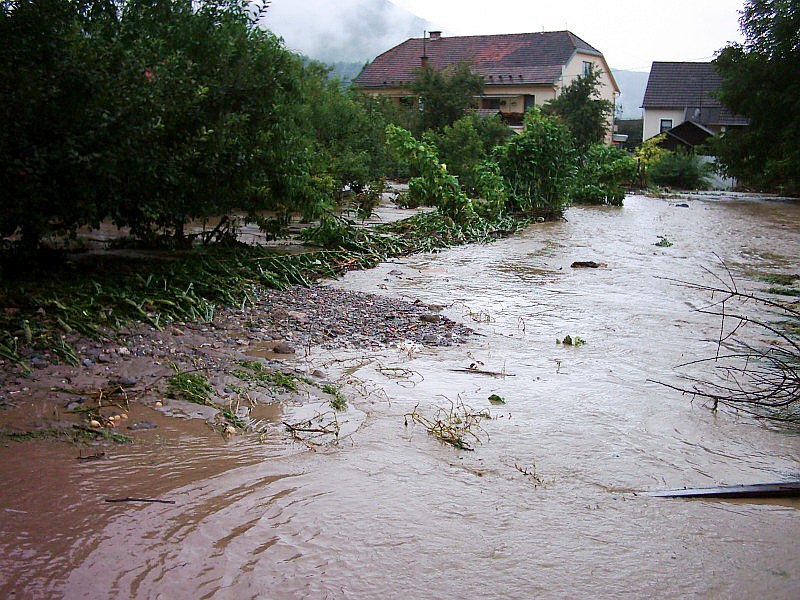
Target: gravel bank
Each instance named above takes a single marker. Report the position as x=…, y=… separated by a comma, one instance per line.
x=275, y=329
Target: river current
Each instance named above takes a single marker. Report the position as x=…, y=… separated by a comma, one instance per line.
x=551, y=503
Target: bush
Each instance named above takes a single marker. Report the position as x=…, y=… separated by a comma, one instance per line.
x=681, y=170
x=434, y=186
x=647, y=154
x=538, y=165
x=467, y=143
x=602, y=175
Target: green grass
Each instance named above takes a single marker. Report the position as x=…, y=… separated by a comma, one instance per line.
x=256, y=373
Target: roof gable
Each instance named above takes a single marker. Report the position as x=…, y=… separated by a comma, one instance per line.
x=690, y=87
x=681, y=85
x=522, y=58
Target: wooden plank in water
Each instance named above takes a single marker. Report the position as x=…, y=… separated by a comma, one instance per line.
x=756, y=490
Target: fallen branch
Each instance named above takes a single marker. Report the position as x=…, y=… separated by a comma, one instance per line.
x=482, y=372
x=150, y=500
x=760, y=380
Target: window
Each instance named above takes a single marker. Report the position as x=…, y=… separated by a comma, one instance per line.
x=587, y=66
x=665, y=125
x=491, y=103
x=530, y=101
x=409, y=101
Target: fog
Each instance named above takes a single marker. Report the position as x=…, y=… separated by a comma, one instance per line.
x=345, y=30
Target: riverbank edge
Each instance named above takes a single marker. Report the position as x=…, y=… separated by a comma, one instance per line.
x=246, y=351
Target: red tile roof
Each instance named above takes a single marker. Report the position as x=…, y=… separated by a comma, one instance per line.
x=523, y=58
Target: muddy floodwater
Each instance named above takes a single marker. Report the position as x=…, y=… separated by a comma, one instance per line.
x=550, y=503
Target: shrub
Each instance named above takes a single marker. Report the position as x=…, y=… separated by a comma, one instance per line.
x=602, y=175
x=647, y=154
x=467, y=143
x=434, y=186
x=681, y=170
x=538, y=164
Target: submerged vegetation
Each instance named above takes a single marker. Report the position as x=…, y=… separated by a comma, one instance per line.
x=457, y=425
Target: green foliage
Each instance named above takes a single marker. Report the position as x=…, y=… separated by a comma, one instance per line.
x=465, y=144
x=761, y=81
x=338, y=400
x=648, y=154
x=602, y=175
x=490, y=189
x=48, y=115
x=345, y=130
x=190, y=386
x=538, y=164
x=256, y=373
x=445, y=95
x=156, y=112
x=582, y=109
x=681, y=170
x=434, y=186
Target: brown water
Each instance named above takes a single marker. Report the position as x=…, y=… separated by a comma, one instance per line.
x=392, y=513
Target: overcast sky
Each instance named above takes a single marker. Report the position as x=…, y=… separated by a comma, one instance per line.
x=630, y=33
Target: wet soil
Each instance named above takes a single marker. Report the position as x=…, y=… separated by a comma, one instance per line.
x=118, y=378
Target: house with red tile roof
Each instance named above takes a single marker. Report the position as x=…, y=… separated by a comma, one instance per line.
x=518, y=70
x=679, y=100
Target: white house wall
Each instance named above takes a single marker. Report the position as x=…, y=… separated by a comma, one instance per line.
x=652, y=120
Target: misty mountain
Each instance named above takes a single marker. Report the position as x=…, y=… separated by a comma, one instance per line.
x=632, y=85
x=342, y=31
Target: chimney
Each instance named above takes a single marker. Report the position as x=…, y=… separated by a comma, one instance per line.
x=435, y=35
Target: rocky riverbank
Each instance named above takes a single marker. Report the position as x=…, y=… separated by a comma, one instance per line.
x=249, y=356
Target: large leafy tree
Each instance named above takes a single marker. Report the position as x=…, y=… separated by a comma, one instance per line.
x=583, y=110
x=446, y=95
x=761, y=80
x=52, y=63
x=150, y=112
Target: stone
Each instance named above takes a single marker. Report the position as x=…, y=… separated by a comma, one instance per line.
x=283, y=348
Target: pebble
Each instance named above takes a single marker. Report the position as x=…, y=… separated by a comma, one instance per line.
x=344, y=319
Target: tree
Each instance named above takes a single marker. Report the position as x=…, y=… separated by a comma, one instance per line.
x=582, y=109
x=51, y=114
x=446, y=95
x=761, y=80
x=150, y=112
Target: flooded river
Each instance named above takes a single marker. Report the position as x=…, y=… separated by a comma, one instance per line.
x=549, y=504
